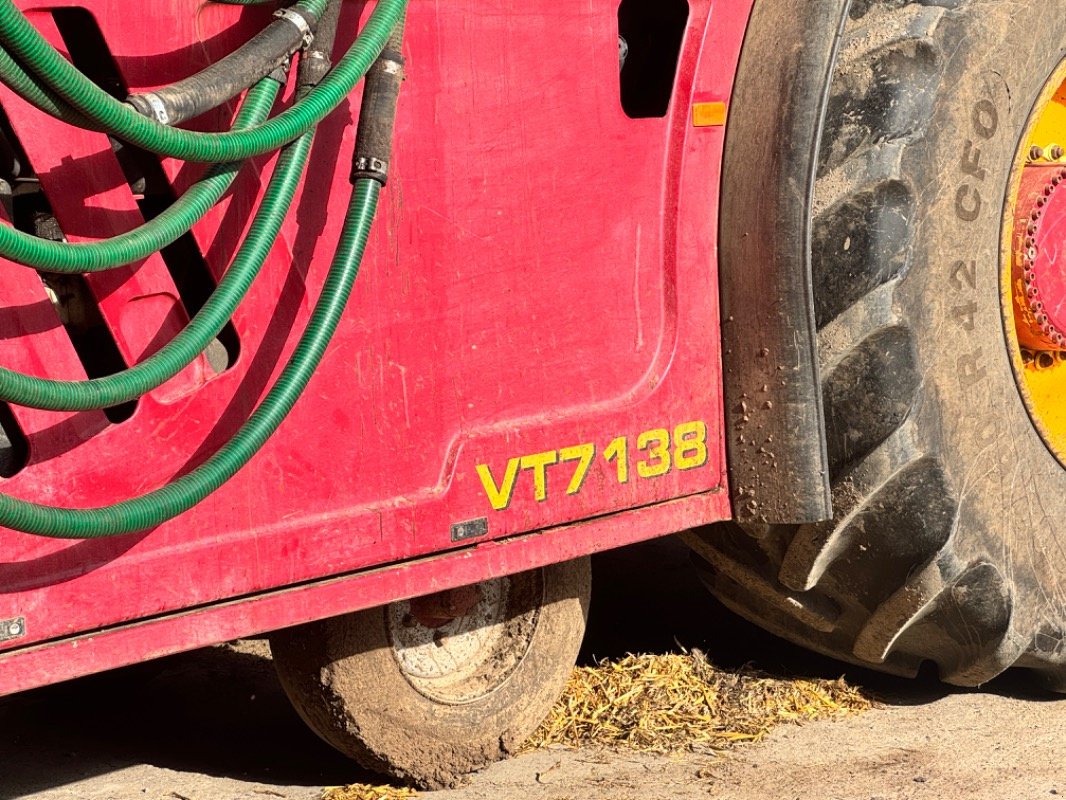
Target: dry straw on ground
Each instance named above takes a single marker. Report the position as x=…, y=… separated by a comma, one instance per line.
x=669, y=703
x=362, y=791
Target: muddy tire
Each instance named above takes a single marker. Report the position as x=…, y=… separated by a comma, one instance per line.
x=427, y=695
x=949, y=538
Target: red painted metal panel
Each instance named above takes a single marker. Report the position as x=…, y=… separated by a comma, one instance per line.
x=536, y=325
x=161, y=636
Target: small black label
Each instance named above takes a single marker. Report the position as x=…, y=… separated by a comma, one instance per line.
x=473, y=529
x=12, y=628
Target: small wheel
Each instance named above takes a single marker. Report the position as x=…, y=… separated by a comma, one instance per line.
x=433, y=688
x=939, y=294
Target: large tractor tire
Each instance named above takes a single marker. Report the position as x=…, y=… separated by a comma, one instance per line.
x=430, y=689
x=948, y=542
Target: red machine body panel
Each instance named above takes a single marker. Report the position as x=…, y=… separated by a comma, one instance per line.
x=533, y=341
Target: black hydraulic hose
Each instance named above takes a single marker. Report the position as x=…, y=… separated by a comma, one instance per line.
x=44, y=63
x=257, y=58
x=316, y=60
x=377, y=114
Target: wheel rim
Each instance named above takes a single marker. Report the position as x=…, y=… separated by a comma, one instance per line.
x=1033, y=273
x=459, y=646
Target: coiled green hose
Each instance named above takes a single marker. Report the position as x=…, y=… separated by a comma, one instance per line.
x=34, y=70
x=35, y=92
x=205, y=325
x=174, y=222
x=156, y=507
x=119, y=119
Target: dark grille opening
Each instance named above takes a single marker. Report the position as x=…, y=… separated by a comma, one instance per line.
x=653, y=31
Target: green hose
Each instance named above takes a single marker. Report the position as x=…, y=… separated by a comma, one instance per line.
x=119, y=119
x=174, y=222
x=205, y=325
x=129, y=384
x=156, y=507
x=43, y=77
x=33, y=91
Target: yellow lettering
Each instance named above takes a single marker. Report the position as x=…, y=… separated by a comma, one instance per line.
x=618, y=450
x=658, y=462
x=583, y=455
x=499, y=496
x=539, y=462
x=690, y=445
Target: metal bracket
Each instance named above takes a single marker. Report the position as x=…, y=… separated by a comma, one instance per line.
x=370, y=167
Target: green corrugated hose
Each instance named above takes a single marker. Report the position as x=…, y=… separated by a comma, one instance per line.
x=30, y=66
x=174, y=222
x=42, y=61
x=191, y=341
x=36, y=91
x=155, y=508
x=33, y=91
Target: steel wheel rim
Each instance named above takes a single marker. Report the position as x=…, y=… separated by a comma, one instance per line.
x=472, y=655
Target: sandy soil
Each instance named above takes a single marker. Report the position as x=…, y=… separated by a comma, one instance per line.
x=214, y=725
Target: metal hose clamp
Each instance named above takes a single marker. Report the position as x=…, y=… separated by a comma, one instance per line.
x=297, y=19
x=150, y=104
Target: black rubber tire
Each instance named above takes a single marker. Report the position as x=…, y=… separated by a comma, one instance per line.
x=344, y=679
x=950, y=512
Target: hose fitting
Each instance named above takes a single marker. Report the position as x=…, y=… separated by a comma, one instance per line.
x=316, y=61
x=270, y=50
x=377, y=115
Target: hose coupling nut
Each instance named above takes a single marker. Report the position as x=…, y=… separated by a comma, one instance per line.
x=375, y=169
x=301, y=23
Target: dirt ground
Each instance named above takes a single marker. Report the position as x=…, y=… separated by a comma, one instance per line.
x=214, y=725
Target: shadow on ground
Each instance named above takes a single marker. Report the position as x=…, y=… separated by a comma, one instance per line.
x=216, y=712
x=648, y=599
x=220, y=712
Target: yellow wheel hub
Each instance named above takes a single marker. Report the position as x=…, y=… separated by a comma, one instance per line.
x=1033, y=283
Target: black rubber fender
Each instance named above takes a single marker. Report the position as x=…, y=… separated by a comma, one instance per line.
x=778, y=464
